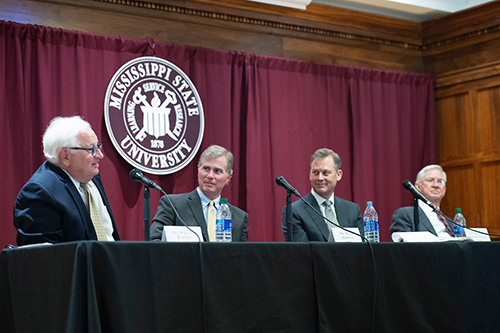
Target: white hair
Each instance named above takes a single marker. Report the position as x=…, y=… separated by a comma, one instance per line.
x=421, y=173
x=62, y=132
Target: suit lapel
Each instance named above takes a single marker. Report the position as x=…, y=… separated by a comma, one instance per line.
x=77, y=199
x=424, y=220
x=317, y=219
x=340, y=211
x=194, y=203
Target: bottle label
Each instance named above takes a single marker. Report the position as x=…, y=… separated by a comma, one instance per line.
x=223, y=230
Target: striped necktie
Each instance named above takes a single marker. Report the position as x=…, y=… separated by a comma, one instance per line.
x=94, y=214
x=446, y=225
x=330, y=215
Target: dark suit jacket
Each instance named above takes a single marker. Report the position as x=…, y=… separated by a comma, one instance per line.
x=402, y=221
x=188, y=205
x=309, y=226
x=49, y=208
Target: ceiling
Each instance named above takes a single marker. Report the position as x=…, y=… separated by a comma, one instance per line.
x=415, y=10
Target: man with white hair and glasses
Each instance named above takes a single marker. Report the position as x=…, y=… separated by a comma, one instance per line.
x=431, y=182
x=65, y=200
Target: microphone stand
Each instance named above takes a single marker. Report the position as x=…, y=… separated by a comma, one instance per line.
x=147, y=212
x=289, y=233
x=415, y=214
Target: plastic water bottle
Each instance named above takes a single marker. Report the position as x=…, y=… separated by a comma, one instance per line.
x=370, y=223
x=459, y=219
x=223, y=223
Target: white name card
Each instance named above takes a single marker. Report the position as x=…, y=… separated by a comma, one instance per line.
x=179, y=233
x=476, y=236
x=416, y=236
x=339, y=235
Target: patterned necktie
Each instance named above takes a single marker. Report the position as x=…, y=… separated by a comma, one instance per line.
x=447, y=226
x=330, y=215
x=211, y=222
x=94, y=215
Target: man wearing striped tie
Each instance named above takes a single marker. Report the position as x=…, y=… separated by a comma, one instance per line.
x=431, y=182
x=65, y=200
x=307, y=224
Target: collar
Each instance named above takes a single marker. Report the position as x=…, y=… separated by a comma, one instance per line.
x=425, y=207
x=75, y=182
x=320, y=199
x=205, y=200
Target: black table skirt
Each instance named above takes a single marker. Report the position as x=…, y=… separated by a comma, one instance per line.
x=251, y=287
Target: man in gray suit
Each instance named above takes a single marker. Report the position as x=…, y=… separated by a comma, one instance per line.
x=431, y=182
x=307, y=224
x=215, y=169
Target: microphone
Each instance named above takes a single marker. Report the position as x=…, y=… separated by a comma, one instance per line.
x=416, y=193
x=137, y=176
x=281, y=181
x=341, y=227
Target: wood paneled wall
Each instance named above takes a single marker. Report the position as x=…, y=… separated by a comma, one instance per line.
x=468, y=127
x=462, y=50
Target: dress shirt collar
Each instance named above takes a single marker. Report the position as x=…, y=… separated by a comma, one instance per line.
x=75, y=182
x=320, y=199
x=426, y=208
x=205, y=200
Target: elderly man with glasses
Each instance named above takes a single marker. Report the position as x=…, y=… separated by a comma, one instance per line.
x=65, y=200
x=431, y=182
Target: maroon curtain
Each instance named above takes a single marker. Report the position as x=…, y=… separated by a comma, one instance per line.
x=272, y=113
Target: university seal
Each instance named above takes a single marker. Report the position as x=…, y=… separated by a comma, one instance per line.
x=154, y=115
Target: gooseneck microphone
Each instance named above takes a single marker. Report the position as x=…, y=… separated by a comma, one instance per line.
x=137, y=176
x=416, y=193
x=281, y=181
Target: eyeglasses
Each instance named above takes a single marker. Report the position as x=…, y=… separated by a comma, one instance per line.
x=432, y=181
x=93, y=150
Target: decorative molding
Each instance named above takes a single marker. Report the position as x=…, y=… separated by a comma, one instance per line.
x=469, y=74
x=463, y=37
x=297, y=28
x=259, y=22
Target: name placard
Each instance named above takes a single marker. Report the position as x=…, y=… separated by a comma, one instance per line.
x=414, y=236
x=179, y=233
x=476, y=236
x=339, y=235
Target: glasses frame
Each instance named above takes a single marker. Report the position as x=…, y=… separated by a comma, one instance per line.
x=93, y=150
x=432, y=181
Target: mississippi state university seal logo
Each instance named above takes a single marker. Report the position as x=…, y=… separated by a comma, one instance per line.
x=154, y=115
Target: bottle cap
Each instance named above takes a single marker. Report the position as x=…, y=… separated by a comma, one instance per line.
x=223, y=200
x=458, y=210
x=369, y=203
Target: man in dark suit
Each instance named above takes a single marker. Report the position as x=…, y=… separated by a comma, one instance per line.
x=215, y=169
x=431, y=182
x=53, y=205
x=307, y=224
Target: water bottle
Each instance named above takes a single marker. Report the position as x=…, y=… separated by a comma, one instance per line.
x=459, y=219
x=223, y=222
x=370, y=223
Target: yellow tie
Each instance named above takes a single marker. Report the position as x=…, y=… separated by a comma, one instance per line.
x=94, y=215
x=211, y=222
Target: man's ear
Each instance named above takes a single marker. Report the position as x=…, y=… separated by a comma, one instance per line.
x=339, y=174
x=64, y=158
x=229, y=178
